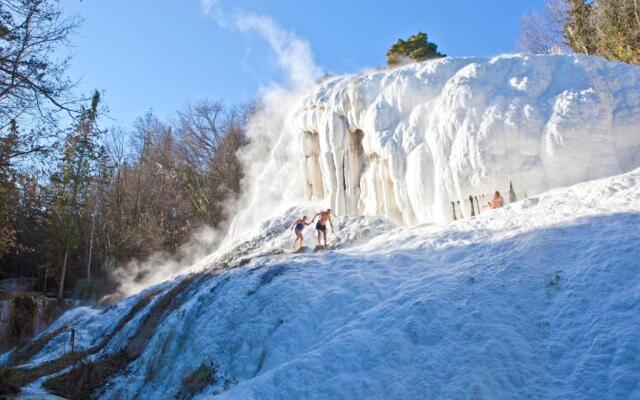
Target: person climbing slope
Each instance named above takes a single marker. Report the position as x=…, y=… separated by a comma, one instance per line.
x=321, y=226
x=496, y=202
x=298, y=227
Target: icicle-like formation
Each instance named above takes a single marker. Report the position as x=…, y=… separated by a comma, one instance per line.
x=404, y=143
x=407, y=143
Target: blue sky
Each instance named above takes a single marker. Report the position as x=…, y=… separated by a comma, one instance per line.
x=159, y=54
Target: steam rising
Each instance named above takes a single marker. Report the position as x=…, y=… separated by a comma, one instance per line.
x=273, y=177
x=269, y=161
x=294, y=54
x=160, y=266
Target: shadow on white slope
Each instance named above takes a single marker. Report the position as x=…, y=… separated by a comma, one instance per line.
x=538, y=300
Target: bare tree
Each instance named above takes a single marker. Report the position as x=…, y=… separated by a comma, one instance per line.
x=33, y=86
x=200, y=127
x=209, y=134
x=225, y=168
x=542, y=32
x=31, y=79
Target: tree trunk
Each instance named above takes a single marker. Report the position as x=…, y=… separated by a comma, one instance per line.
x=63, y=273
x=44, y=283
x=93, y=224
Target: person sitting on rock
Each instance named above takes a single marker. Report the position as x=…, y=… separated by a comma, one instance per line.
x=321, y=226
x=297, y=227
x=496, y=202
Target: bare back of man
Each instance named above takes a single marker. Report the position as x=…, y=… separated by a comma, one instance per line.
x=324, y=218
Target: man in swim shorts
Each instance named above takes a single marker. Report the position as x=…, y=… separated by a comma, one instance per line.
x=324, y=217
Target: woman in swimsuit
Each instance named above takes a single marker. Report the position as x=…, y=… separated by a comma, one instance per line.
x=297, y=227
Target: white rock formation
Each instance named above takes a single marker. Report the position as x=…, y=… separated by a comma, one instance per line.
x=404, y=143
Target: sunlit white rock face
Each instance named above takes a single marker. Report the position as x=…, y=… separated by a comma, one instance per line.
x=404, y=143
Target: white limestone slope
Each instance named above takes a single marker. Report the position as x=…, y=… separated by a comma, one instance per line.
x=538, y=300
x=403, y=143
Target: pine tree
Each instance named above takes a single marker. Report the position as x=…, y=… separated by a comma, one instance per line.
x=8, y=191
x=78, y=168
x=417, y=48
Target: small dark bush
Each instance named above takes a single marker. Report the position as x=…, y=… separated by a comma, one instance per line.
x=195, y=382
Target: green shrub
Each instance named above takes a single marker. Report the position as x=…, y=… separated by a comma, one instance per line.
x=417, y=48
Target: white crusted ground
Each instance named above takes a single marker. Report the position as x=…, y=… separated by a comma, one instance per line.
x=540, y=299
